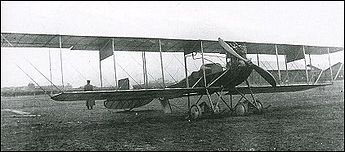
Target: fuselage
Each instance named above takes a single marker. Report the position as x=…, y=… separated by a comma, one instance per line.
x=234, y=75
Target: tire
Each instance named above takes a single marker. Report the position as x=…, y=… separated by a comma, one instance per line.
x=195, y=112
x=241, y=109
x=259, y=107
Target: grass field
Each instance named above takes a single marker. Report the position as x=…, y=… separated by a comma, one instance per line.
x=305, y=120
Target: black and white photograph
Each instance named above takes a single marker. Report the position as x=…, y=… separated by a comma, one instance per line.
x=172, y=75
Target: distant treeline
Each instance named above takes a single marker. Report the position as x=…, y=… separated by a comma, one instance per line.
x=26, y=93
x=13, y=93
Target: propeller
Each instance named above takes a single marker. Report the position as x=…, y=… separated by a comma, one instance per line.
x=264, y=73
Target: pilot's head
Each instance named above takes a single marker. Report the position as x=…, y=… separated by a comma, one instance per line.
x=88, y=81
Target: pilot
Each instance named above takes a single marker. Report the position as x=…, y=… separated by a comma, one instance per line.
x=90, y=102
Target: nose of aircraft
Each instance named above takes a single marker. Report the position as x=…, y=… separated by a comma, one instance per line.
x=264, y=73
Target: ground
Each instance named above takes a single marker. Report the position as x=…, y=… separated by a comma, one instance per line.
x=305, y=120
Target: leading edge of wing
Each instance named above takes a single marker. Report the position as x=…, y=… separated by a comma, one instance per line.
x=130, y=94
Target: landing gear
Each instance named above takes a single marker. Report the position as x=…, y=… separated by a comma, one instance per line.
x=200, y=109
x=247, y=106
x=195, y=112
x=259, y=107
x=241, y=109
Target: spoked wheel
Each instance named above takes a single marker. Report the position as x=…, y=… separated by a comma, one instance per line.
x=241, y=109
x=217, y=108
x=195, y=112
x=259, y=107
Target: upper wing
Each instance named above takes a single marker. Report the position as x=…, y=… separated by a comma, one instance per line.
x=103, y=44
x=279, y=88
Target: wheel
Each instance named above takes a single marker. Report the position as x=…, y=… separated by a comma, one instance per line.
x=105, y=103
x=217, y=108
x=258, y=106
x=240, y=109
x=195, y=112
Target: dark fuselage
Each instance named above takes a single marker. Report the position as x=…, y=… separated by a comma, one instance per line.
x=233, y=76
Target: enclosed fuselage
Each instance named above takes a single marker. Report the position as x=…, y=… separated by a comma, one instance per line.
x=234, y=75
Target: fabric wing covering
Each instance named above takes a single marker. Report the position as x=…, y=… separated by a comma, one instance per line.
x=106, y=45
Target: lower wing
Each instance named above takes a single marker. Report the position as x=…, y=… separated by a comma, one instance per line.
x=141, y=94
x=270, y=89
x=121, y=99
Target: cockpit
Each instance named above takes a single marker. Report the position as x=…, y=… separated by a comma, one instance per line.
x=210, y=68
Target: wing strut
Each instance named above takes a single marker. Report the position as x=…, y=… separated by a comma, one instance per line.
x=329, y=63
x=187, y=83
x=161, y=58
x=60, y=42
x=204, y=73
x=114, y=59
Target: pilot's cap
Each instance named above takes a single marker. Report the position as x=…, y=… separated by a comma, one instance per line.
x=88, y=81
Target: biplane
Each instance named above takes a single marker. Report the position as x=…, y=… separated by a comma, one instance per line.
x=211, y=79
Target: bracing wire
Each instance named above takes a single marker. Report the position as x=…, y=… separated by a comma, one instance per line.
x=129, y=75
x=43, y=75
x=155, y=80
x=33, y=80
x=179, y=61
x=77, y=71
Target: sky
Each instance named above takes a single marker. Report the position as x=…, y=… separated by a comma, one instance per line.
x=308, y=23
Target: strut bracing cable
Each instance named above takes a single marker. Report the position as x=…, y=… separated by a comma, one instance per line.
x=44, y=75
x=33, y=80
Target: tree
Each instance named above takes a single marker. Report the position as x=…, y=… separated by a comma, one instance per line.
x=31, y=86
